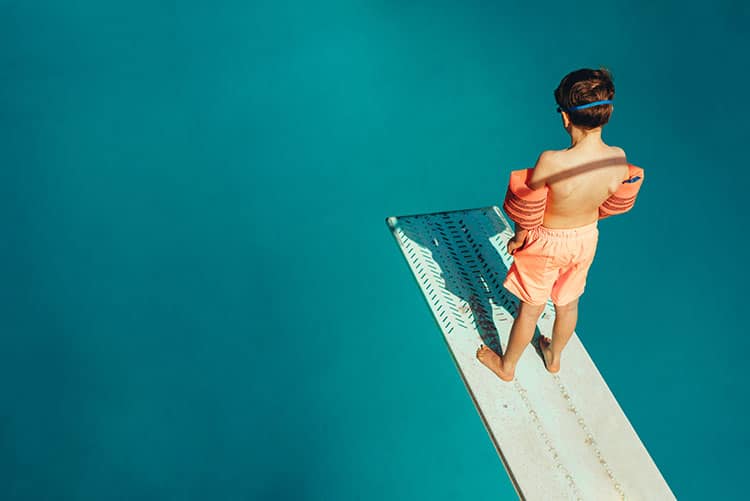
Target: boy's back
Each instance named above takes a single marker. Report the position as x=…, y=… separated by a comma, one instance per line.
x=580, y=179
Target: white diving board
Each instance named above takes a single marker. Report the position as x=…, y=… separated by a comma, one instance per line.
x=560, y=436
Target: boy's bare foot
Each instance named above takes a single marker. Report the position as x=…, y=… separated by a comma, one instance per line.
x=494, y=363
x=552, y=366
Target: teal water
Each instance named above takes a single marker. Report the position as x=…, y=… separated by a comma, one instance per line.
x=201, y=299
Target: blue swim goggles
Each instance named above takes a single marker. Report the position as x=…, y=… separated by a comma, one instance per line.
x=584, y=106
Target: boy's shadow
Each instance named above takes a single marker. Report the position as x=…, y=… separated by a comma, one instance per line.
x=461, y=244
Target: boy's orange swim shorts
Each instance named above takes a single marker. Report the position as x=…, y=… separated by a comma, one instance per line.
x=553, y=262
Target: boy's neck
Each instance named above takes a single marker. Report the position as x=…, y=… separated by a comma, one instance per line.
x=580, y=136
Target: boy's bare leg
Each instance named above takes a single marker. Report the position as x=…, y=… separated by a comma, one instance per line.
x=566, y=317
x=520, y=334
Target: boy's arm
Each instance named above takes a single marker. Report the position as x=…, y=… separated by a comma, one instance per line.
x=536, y=181
x=518, y=240
x=520, y=234
x=623, y=199
x=541, y=170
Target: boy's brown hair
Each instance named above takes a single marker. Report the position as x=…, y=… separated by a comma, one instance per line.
x=586, y=86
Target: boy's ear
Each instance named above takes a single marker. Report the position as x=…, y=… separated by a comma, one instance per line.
x=565, y=119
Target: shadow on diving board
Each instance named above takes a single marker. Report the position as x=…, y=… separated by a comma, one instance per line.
x=559, y=436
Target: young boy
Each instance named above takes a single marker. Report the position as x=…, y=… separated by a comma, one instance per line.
x=552, y=259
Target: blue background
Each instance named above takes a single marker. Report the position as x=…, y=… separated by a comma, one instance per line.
x=200, y=296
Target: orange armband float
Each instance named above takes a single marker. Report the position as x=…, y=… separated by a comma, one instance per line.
x=522, y=204
x=624, y=198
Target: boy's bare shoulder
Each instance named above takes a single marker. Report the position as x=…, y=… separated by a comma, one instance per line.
x=549, y=159
x=619, y=152
x=546, y=165
x=549, y=162
x=622, y=158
